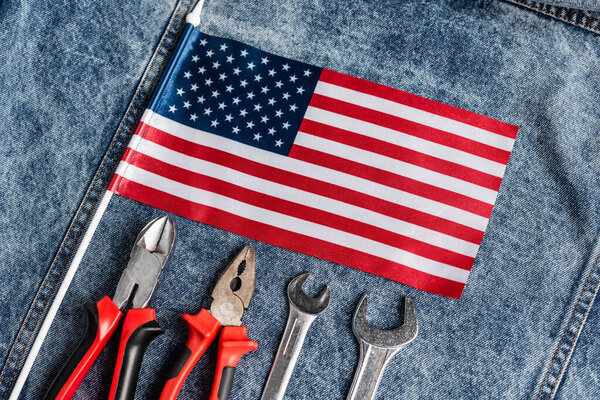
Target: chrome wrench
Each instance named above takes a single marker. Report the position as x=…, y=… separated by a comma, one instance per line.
x=377, y=347
x=303, y=311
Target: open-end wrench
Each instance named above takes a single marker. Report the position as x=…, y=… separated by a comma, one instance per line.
x=377, y=347
x=303, y=311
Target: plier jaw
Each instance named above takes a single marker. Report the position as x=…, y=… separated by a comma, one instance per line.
x=231, y=297
x=148, y=257
x=233, y=291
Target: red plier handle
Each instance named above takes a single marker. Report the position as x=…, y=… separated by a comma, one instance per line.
x=139, y=328
x=136, y=285
x=202, y=331
x=102, y=320
x=233, y=344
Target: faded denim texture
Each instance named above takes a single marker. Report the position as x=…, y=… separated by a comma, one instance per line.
x=76, y=76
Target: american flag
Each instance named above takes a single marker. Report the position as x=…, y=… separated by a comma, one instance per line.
x=318, y=162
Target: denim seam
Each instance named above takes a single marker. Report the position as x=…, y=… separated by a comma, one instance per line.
x=562, y=13
x=565, y=355
x=107, y=165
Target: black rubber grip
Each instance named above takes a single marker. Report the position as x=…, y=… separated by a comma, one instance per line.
x=90, y=335
x=132, y=359
x=226, y=383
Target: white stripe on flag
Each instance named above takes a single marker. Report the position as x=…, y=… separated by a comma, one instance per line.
x=414, y=114
x=293, y=224
x=398, y=167
x=298, y=196
x=316, y=172
x=405, y=140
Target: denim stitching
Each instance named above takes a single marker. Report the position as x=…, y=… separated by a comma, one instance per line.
x=564, y=364
x=41, y=290
x=575, y=335
x=95, y=191
x=562, y=17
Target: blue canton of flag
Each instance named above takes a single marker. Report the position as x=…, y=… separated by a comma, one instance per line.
x=234, y=90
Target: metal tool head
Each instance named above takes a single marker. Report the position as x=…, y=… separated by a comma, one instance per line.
x=233, y=291
x=147, y=260
x=303, y=302
x=386, y=338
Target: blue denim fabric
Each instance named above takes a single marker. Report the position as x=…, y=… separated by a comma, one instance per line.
x=530, y=298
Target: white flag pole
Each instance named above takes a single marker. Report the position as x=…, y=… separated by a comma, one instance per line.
x=60, y=294
x=193, y=18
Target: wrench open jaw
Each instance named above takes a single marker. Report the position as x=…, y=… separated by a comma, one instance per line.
x=377, y=347
x=305, y=303
x=303, y=311
x=395, y=338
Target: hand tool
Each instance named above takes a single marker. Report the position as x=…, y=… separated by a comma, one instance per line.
x=377, y=347
x=303, y=311
x=148, y=257
x=231, y=297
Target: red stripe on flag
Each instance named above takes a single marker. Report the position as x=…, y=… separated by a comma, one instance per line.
x=401, y=153
x=390, y=179
x=114, y=183
x=290, y=240
x=421, y=103
x=411, y=128
x=312, y=185
x=301, y=211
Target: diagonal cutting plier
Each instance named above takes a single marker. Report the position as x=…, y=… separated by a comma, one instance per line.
x=231, y=297
x=148, y=257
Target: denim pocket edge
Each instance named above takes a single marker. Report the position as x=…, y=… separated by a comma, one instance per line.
x=571, y=16
x=564, y=345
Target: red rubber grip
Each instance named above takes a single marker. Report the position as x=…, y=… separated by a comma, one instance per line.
x=202, y=330
x=103, y=317
x=233, y=344
x=139, y=328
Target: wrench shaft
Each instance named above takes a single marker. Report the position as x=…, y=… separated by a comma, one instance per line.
x=371, y=364
x=287, y=354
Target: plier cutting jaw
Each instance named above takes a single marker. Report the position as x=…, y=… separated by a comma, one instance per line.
x=152, y=248
x=231, y=297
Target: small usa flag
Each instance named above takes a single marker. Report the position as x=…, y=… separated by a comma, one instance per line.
x=318, y=162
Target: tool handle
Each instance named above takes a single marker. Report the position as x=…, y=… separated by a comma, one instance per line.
x=202, y=331
x=288, y=352
x=233, y=344
x=371, y=364
x=139, y=329
x=102, y=320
